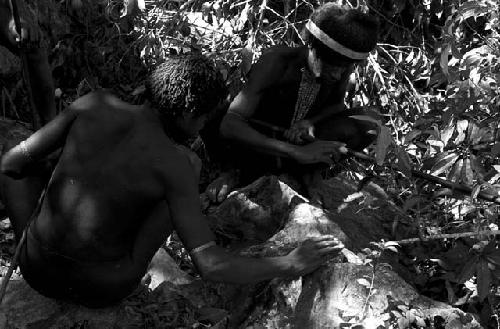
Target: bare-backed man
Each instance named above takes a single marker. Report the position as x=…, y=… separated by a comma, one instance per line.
x=120, y=187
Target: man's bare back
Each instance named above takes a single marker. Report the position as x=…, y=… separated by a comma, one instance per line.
x=106, y=182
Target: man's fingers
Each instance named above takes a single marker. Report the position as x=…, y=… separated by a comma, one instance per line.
x=329, y=250
x=326, y=237
x=222, y=193
x=327, y=243
x=212, y=193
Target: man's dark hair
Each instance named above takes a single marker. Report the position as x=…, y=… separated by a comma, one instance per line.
x=185, y=84
x=350, y=27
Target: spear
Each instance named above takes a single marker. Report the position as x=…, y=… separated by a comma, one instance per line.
x=362, y=156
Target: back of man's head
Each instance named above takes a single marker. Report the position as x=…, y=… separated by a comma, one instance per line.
x=353, y=32
x=185, y=84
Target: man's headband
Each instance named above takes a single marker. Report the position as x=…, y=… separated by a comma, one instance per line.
x=332, y=44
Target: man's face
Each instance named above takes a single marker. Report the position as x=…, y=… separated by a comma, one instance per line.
x=326, y=71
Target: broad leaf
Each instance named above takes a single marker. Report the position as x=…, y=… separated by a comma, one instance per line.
x=445, y=164
x=411, y=136
x=455, y=173
x=483, y=279
x=467, y=174
x=430, y=162
x=447, y=133
x=468, y=270
x=461, y=129
x=495, y=150
x=445, y=51
x=494, y=257
x=384, y=140
x=404, y=162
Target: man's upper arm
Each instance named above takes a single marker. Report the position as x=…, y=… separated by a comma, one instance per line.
x=264, y=75
x=184, y=203
x=53, y=135
x=46, y=140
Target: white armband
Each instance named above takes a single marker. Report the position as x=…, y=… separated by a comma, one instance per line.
x=202, y=247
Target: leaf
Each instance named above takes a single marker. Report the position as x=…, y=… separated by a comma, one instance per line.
x=476, y=167
x=461, y=129
x=430, y=162
x=495, y=150
x=436, y=146
x=444, y=164
x=468, y=270
x=445, y=50
x=411, y=136
x=393, y=249
x=483, y=279
x=364, y=282
x=447, y=133
x=451, y=294
x=404, y=162
x=384, y=139
x=475, y=133
x=412, y=202
x=456, y=173
x=494, y=257
x=475, y=192
x=467, y=174
x=391, y=243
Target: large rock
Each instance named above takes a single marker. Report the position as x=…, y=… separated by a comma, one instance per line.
x=337, y=293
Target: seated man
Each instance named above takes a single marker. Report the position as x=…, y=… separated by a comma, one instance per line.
x=120, y=187
x=300, y=90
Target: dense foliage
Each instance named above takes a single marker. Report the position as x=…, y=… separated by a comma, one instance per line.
x=433, y=78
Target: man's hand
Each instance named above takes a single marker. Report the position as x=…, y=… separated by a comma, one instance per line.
x=312, y=253
x=301, y=132
x=218, y=190
x=319, y=152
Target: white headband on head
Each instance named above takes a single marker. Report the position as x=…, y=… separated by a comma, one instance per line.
x=332, y=44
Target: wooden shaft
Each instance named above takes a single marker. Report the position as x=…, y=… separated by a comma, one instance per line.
x=24, y=59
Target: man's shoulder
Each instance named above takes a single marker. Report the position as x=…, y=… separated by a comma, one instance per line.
x=278, y=58
x=273, y=65
x=99, y=99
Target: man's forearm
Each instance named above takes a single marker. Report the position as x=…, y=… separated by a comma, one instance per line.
x=223, y=267
x=237, y=130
